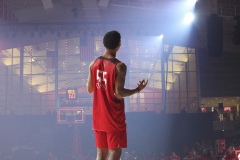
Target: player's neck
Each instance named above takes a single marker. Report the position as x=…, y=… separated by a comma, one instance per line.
x=109, y=54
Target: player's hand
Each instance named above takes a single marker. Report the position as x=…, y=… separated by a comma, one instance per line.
x=142, y=84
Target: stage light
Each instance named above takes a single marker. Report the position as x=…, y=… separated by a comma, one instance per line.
x=189, y=18
x=161, y=36
x=191, y=3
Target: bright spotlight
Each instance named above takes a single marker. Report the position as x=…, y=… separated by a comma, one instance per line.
x=161, y=36
x=189, y=18
x=191, y=3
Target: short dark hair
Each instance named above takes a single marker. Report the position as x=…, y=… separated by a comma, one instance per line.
x=112, y=39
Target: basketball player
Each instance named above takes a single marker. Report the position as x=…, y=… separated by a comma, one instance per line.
x=106, y=80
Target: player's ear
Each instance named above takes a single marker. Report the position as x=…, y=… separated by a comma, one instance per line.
x=118, y=46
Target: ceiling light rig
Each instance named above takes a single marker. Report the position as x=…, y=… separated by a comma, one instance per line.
x=189, y=18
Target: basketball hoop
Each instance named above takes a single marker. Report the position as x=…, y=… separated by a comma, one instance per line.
x=70, y=115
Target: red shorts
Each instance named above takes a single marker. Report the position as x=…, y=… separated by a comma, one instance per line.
x=111, y=140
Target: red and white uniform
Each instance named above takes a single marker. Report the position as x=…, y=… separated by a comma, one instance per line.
x=230, y=157
x=108, y=111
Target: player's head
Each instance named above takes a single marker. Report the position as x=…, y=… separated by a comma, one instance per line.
x=112, y=39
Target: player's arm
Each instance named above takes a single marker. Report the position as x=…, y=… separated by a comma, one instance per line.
x=89, y=84
x=120, y=91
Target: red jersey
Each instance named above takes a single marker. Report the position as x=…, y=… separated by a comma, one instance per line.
x=230, y=157
x=108, y=111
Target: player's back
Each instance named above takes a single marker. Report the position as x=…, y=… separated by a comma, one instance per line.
x=108, y=111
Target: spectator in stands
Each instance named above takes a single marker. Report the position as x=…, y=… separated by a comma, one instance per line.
x=126, y=156
x=198, y=148
x=89, y=156
x=206, y=155
x=174, y=156
x=231, y=155
x=234, y=115
x=51, y=156
x=163, y=156
x=133, y=155
x=215, y=115
x=184, y=110
x=37, y=155
x=185, y=151
x=220, y=153
x=199, y=110
x=228, y=115
x=192, y=155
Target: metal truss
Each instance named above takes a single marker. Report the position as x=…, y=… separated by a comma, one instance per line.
x=89, y=26
x=142, y=4
x=6, y=15
x=228, y=8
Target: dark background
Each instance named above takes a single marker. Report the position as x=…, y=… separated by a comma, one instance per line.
x=147, y=132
